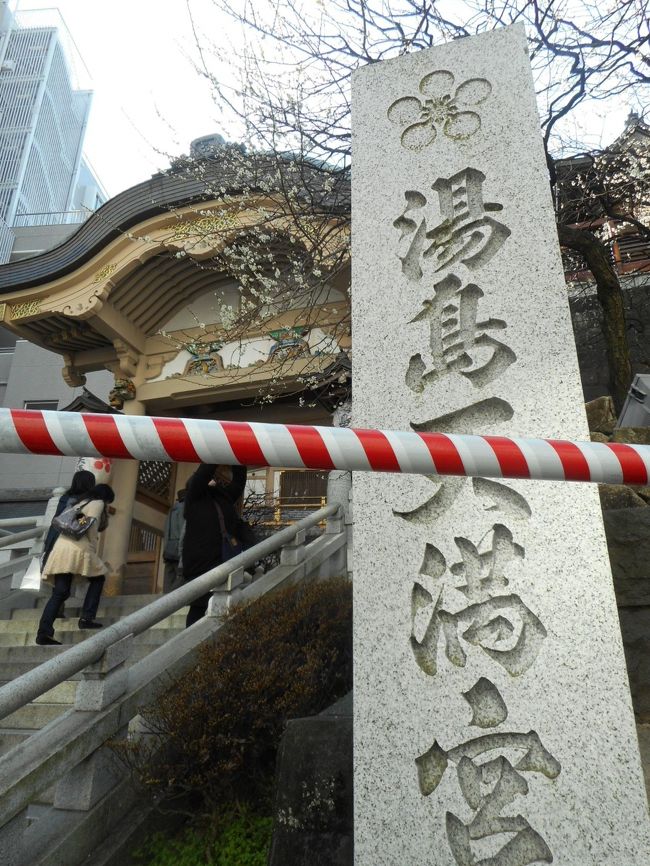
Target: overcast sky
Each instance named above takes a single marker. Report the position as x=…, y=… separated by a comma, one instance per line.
x=148, y=96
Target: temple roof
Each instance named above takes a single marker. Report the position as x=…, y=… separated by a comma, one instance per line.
x=88, y=402
x=189, y=182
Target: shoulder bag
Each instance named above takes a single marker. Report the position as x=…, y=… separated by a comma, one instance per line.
x=72, y=522
x=230, y=545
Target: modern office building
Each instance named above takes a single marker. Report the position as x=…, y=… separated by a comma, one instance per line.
x=47, y=190
x=44, y=106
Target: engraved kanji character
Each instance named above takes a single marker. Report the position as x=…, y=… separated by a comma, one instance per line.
x=466, y=234
x=488, y=788
x=458, y=342
x=485, y=572
x=502, y=625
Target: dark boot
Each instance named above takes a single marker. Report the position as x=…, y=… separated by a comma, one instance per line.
x=89, y=623
x=46, y=640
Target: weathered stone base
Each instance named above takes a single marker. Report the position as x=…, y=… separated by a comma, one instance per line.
x=313, y=800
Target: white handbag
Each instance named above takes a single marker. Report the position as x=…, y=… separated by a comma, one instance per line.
x=31, y=579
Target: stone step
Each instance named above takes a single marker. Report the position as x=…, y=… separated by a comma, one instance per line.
x=9, y=670
x=31, y=653
x=33, y=716
x=70, y=623
x=152, y=637
x=32, y=600
x=11, y=639
x=28, y=619
x=111, y=606
x=10, y=737
x=70, y=636
x=24, y=631
x=63, y=693
x=16, y=661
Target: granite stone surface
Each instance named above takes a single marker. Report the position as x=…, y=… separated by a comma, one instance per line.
x=492, y=718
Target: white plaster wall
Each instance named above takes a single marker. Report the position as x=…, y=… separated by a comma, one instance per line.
x=174, y=367
x=205, y=310
x=35, y=374
x=321, y=343
x=245, y=353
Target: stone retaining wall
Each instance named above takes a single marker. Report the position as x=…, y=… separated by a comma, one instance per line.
x=587, y=317
x=626, y=514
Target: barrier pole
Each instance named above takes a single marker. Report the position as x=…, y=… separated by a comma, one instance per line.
x=194, y=440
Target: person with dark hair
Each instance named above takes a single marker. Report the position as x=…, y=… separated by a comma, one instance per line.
x=76, y=559
x=82, y=483
x=210, y=499
x=172, y=539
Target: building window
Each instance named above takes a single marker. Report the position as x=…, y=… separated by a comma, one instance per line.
x=41, y=404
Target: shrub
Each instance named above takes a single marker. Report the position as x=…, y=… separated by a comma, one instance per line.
x=244, y=842
x=239, y=838
x=216, y=732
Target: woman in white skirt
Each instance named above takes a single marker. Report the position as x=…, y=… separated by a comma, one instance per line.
x=77, y=559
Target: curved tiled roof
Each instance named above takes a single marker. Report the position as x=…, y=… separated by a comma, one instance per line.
x=114, y=217
x=162, y=193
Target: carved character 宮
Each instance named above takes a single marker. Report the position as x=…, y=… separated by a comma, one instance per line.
x=488, y=788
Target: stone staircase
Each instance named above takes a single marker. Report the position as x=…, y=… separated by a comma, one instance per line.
x=19, y=654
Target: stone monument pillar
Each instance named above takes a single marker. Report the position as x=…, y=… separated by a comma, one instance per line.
x=493, y=722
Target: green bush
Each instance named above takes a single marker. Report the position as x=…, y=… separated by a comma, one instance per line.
x=244, y=842
x=232, y=839
x=216, y=732
x=188, y=849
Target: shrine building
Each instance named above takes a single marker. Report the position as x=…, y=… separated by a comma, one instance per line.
x=139, y=292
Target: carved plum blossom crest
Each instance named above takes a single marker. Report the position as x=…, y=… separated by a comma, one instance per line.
x=421, y=117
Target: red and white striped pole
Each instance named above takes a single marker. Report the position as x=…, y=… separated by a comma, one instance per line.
x=294, y=446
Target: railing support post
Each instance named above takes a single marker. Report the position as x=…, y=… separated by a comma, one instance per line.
x=222, y=596
x=106, y=679
x=103, y=682
x=335, y=523
x=339, y=492
x=294, y=552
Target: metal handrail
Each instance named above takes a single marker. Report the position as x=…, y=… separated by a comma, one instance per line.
x=20, y=521
x=41, y=679
x=15, y=537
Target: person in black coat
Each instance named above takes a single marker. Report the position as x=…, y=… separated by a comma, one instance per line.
x=209, y=487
